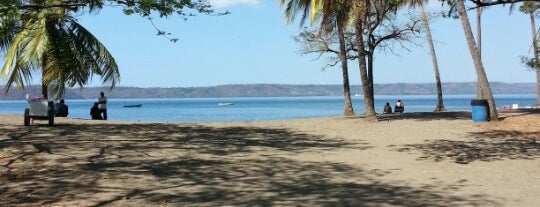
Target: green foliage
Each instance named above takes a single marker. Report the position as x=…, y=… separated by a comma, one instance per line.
x=533, y=9
x=163, y=8
x=51, y=41
x=143, y=8
x=530, y=63
x=530, y=8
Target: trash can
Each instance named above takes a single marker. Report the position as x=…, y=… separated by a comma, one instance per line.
x=480, y=110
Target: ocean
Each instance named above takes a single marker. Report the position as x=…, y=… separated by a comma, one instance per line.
x=258, y=109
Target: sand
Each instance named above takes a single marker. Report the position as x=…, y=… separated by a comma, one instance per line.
x=413, y=159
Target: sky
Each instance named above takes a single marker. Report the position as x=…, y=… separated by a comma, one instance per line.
x=254, y=45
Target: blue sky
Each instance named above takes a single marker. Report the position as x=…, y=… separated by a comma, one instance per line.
x=254, y=44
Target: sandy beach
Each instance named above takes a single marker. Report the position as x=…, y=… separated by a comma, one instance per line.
x=415, y=159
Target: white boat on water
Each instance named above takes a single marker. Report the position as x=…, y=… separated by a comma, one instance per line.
x=225, y=104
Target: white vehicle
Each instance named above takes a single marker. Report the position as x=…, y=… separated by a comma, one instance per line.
x=39, y=109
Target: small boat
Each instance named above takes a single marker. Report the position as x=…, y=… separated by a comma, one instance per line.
x=132, y=105
x=225, y=104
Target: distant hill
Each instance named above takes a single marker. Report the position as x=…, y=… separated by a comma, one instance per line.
x=275, y=90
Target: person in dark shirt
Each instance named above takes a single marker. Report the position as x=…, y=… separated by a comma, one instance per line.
x=62, y=109
x=95, y=112
x=387, y=109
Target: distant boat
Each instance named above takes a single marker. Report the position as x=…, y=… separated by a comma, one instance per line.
x=132, y=105
x=356, y=94
x=225, y=104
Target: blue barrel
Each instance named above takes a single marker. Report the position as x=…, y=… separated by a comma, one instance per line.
x=480, y=110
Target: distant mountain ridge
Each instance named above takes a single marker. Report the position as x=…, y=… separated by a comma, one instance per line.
x=274, y=90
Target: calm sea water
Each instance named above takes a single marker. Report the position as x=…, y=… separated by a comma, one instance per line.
x=257, y=109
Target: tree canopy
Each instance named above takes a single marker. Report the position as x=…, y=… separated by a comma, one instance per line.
x=141, y=7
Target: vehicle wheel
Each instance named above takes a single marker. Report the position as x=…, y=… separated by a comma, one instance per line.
x=26, y=117
x=51, y=118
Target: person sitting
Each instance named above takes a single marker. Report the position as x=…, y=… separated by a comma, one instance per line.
x=95, y=112
x=399, y=107
x=62, y=109
x=387, y=109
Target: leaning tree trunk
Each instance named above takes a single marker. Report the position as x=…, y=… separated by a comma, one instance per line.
x=483, y=82
x=536, y=58
x=368, y=101
x=440, y=105
x=345, y=70
x=479, y=29
x=479, y=93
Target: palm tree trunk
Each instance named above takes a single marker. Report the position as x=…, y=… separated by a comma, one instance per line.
x=479, y=29
x=359, y=33
x=345, y=70
x=44, y=90
x=537, y=87
x=536, y=58
x=371, y=99
x=44, y=85
x=440, y=105
x=483, y=82
x=479, y=93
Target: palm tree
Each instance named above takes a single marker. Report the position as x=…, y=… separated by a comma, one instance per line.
x=479, y=11
x=531, y=8
x=420, y=4
x=483, y=82
x=53, y=42
x=360, y=10
x=340, y=22
x=334, y=16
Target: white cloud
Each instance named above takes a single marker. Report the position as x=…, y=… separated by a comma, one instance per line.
x=229, y=3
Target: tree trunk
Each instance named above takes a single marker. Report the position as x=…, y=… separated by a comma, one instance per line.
x=371, y=99
x=483, y=82
x=479, y=29
x=537, y=87
x=536, y=58
x=44, y=85
x=479, y=93
x=358, y=25
x=44, y=90
x=345, y=70
x=440, y=105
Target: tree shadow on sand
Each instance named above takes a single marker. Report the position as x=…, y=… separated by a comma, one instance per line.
x=484, y=146
x=426, y=116
x=194, y=165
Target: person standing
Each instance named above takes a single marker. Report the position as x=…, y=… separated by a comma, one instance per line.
x=102, y=101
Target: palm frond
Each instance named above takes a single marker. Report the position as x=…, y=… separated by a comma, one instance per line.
x=21, y=75
x=107, y=67
x=34, y=43
x=8, y=28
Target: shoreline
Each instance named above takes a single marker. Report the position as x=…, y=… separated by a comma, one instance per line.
x=405, y=160
x=458, y=114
